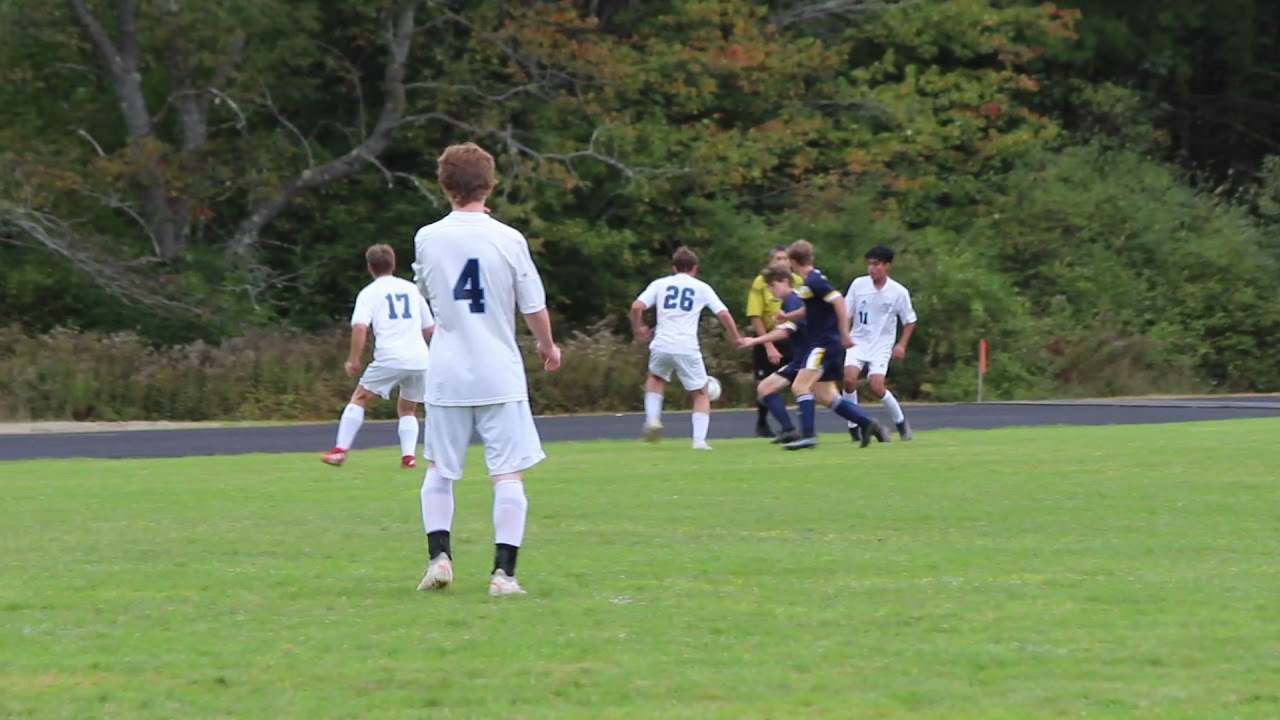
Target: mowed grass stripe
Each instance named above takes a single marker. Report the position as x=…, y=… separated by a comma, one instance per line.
x=1126, y=571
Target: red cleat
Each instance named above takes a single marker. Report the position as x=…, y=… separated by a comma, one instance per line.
x=408, y=462
x=334, y=457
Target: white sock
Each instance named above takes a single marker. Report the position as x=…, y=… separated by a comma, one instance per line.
x=853, y=398
x=652, y=407
x=349, y=425
x=408, y=435
x=891, y=402
x=437, y=502
x=701, y=421
x=510, y=508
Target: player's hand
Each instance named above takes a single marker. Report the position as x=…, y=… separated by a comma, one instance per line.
x=847, y=342
x=550, y=357
x=899, y=351
x=352, y=367
x=643, y=333
x=771, y=352
x=746, y=342
x=780, y=317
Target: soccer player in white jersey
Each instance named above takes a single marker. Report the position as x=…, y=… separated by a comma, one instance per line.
x=401, y=324
x=477, y=273
x=876, y=303
x=679, y=299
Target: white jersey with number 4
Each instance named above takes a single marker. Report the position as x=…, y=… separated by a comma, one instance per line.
x=874, y=314
x=397, y=313
x=477, y=273
x=679, y=300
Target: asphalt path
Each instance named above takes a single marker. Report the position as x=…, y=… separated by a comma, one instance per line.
x=317, y=437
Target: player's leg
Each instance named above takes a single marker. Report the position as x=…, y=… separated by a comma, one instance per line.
x=763, y=369
x=769, y=392
x=413, y=391
x=661, y=365
x=353, y=416
x=827, y=393
x=511, y=446
x=879, y=370
x=809, y=372
x=853, y=365
x=445, y=445
x=692, y=372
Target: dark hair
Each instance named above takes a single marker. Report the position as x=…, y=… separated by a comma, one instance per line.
x=777, y=272
x=777, y=249
x=684, y=259
x=801, y=252
x=883, y=253
x=381, y=259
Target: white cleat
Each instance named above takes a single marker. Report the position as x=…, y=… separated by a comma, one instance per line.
x=439, y=574
x=652, y=431
x=701, y=446
x=501, y=585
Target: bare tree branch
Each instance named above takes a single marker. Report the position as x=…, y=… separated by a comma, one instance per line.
x=400, y=28
x=58, y=236
x=122, y=63
x=825, y=10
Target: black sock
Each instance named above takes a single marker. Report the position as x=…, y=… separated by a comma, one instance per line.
x=762, y=413
x=438, y=542
x=504, y=558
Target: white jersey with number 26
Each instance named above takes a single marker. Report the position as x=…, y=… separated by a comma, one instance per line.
x=679, y=299
x=476, y=273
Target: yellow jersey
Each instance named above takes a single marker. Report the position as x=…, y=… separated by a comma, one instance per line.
x=762, y=304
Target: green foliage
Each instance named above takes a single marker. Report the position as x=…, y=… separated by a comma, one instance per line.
x=1019, y=182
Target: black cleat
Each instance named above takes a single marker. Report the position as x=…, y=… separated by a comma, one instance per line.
x=904, y=430
x=855, y=433
x=762, y=430
x=874, y=430
x=786, y=436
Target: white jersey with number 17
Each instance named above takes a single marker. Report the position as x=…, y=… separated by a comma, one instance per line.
x=476, y=273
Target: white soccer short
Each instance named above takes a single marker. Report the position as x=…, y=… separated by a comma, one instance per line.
x=382, y=380
x=690, y=368
x=511, y=441
x=873, y=359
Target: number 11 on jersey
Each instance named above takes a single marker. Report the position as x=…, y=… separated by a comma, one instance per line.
x=468, y=287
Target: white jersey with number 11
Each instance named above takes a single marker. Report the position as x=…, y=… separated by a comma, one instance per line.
x=476, y=273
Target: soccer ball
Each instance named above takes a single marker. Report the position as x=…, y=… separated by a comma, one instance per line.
x=713, y=388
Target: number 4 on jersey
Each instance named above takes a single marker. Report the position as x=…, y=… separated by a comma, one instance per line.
x=468, y=286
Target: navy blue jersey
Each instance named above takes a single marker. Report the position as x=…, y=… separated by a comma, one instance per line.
x=823, y=327
x=797, y=327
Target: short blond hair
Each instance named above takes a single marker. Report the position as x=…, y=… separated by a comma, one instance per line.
x=801, y=252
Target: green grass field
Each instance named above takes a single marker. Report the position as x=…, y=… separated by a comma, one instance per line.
x=1122, y=572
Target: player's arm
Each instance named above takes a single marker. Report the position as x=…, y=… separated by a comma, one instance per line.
x=779, y=333
x=359, y=338
x=428, y=320
x=726, y=319
x=842, y=317
x=908, y=317
x=531, y=300
x=791, y=316
x=717, y=306
x=638, y=327
x=646, y=300
x=756, y=305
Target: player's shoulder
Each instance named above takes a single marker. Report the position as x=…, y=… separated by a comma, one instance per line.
x=896, y=286
x=862, y=283
x=758, y=282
